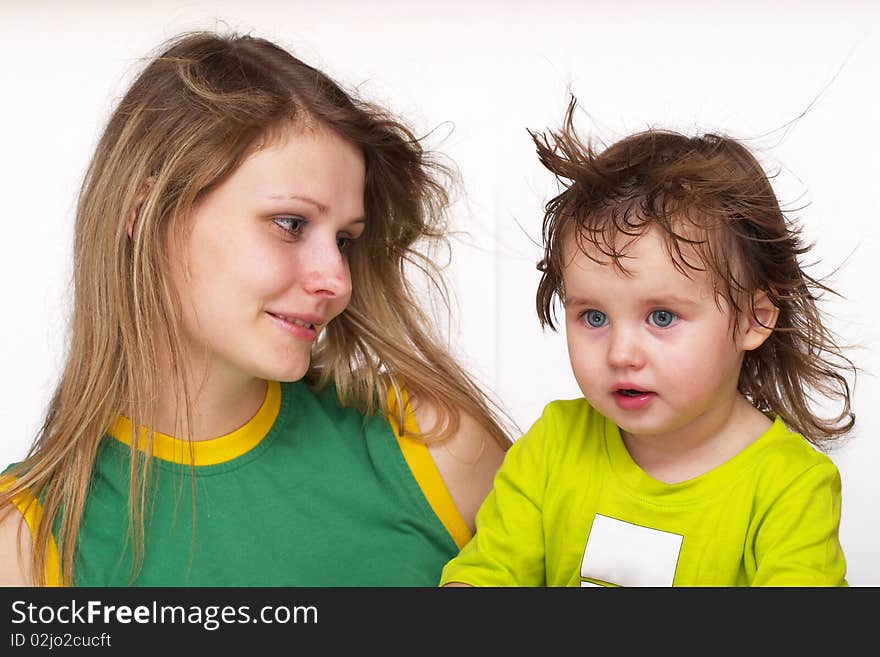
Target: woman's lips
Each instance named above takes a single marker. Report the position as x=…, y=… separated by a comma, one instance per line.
x=294, y=326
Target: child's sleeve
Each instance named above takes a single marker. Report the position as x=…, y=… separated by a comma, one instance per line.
x=508, y=546
x=798, y=542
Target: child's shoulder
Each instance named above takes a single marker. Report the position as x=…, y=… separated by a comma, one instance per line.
x=786, y=451
x=570, y=417
x=565, y=428
x=570, y=411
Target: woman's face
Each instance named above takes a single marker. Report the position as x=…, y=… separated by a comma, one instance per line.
x=264, y=266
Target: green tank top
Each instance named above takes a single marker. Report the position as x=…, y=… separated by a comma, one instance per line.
x=307, y=493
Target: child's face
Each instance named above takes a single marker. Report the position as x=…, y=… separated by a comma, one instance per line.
x=650, y=350
x=265, y=256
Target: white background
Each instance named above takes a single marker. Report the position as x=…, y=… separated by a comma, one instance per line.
x=475, y=75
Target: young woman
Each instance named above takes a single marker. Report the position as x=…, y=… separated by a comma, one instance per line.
x=252, y=394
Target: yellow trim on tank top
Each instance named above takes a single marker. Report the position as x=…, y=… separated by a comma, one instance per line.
x=415, y=452
x=424, y=469
x=31, y=509
x=214, y=451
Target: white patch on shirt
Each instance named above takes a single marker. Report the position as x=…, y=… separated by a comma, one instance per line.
x=624, y=554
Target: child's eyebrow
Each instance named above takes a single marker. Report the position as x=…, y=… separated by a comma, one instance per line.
x=668, y=300
x=672, y=299
x=578, y=301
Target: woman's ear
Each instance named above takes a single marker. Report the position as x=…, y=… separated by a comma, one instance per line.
x=138, y=202
x=758, y=322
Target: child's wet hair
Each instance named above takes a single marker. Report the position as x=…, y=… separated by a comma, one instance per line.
x=706, y=195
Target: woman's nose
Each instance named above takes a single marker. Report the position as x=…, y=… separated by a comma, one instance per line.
x=326, y=269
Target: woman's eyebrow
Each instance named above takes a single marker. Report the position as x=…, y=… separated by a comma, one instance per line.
x=298, y=197
x=306, y=199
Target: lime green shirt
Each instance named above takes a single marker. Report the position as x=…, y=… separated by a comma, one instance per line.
x=570, y=507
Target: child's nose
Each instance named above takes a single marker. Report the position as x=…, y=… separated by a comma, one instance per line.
x=625, y=349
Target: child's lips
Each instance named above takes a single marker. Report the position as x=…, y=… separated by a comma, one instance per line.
x=633, y=399
x=632, y=392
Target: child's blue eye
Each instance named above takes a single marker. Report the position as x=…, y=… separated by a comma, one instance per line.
x=661, y=318
x=291, y=224
x=595, y=318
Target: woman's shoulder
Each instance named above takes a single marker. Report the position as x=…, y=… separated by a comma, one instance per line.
x=467, y=460
x=15, y=548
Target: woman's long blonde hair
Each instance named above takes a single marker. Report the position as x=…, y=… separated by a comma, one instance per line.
x=188, y=120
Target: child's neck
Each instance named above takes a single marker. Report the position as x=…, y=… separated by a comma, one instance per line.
x=704, y=444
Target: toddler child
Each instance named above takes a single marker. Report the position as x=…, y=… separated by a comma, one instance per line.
x=694, y=457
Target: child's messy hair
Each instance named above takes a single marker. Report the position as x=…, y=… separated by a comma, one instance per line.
x=710, y=196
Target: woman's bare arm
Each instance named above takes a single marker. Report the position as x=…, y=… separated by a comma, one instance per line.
x=467, y=461
x=15, y=549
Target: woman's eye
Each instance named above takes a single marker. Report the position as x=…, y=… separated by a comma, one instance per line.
x=344, y=243
x=595, y=318
x=661, y=318
x=292, y=225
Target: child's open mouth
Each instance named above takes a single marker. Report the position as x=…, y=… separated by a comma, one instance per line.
x=629, y=392
x=631, y=399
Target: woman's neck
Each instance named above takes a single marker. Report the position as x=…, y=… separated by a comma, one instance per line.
x=218, y=405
